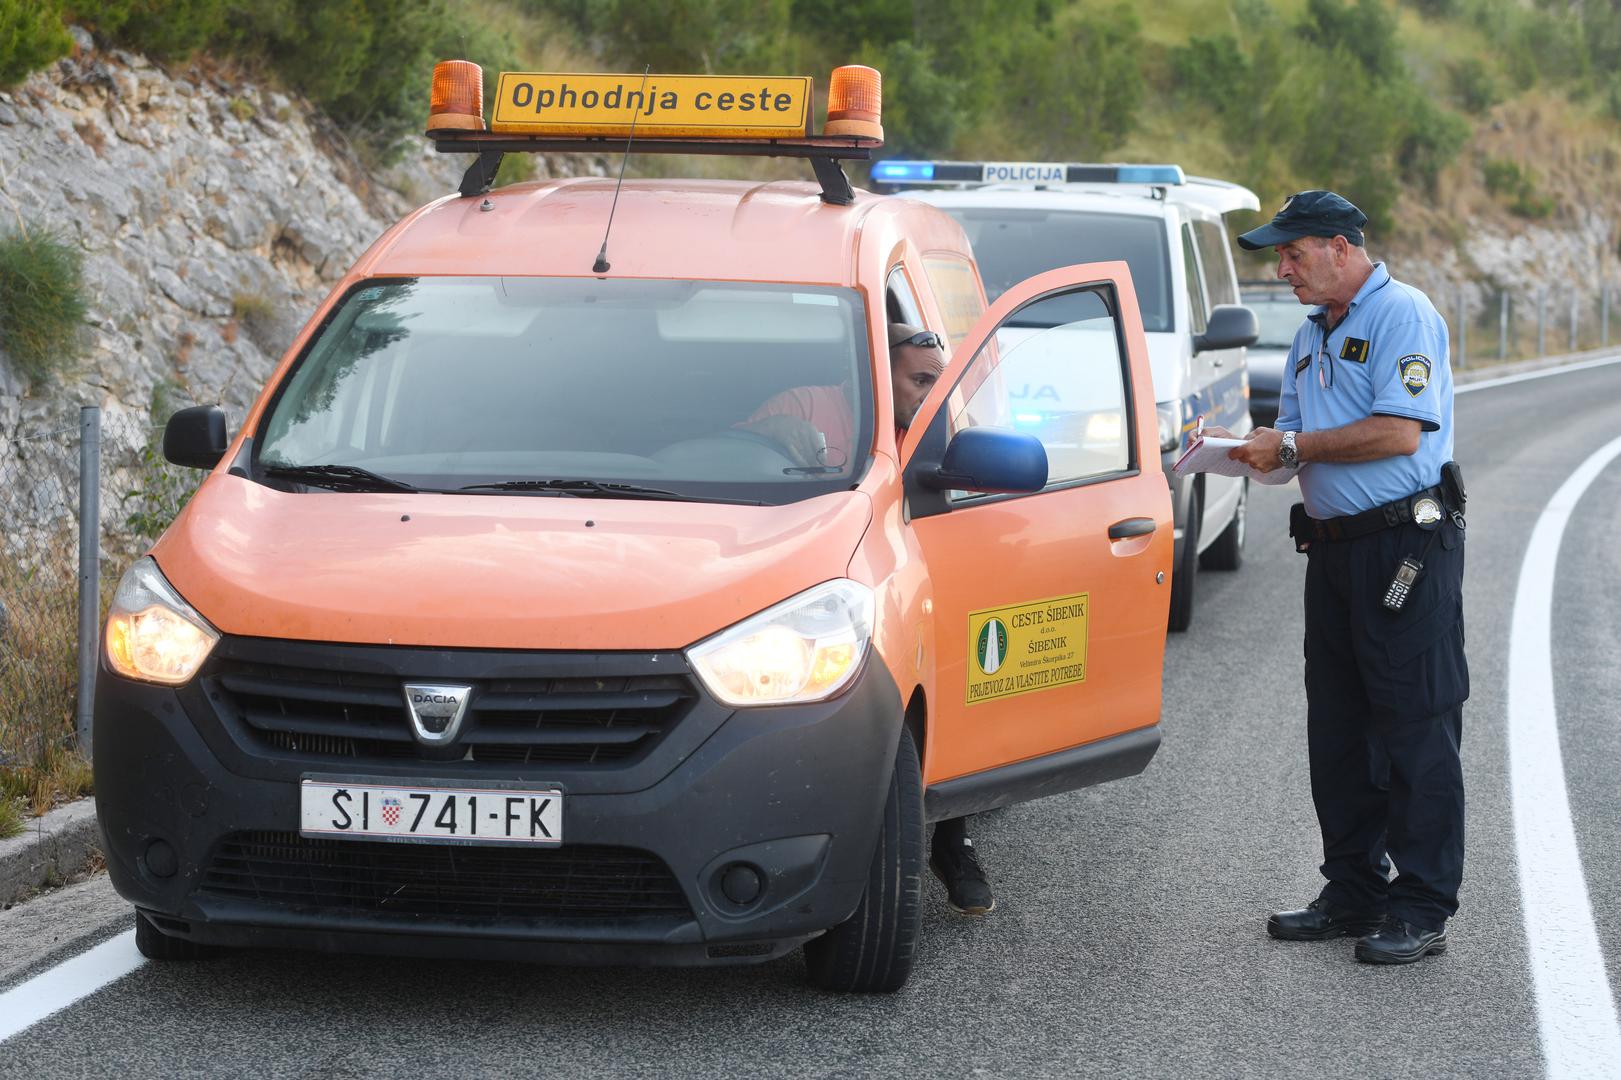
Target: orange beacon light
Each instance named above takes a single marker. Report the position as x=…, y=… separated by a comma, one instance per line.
x=457, y=98
x=855, y=102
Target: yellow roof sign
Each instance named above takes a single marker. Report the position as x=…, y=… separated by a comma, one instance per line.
x=663, y=106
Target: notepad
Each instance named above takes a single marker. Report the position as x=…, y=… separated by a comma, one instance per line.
x=1209, y=454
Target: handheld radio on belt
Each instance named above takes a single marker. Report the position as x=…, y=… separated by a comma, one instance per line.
x=1427, y=517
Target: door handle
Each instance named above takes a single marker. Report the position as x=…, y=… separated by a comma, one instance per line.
x=1138, y=526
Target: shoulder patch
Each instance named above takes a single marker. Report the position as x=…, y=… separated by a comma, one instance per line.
x=1415, y=373
x=1354, y=350
x=1302, y=364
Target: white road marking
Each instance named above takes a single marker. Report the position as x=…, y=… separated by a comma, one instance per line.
x=28, y=1003
x=1505, y=380
x=1575, y=1007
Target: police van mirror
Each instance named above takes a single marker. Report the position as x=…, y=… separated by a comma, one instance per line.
x=1230, y=326
x=990, y=460
x=196, y=437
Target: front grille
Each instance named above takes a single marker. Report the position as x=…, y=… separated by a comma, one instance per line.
x=330, y=713
x=459, y=881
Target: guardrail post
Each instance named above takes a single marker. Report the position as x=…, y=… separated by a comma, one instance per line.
x=1462, y=350
x=1502, y=325
x=1542, y=322
x=89, y=566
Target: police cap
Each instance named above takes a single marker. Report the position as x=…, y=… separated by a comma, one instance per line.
x=1308, y=213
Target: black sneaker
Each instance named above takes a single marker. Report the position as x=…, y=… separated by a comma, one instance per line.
x=966, y=887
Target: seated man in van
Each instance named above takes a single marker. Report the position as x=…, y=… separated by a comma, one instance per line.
x=817, y=426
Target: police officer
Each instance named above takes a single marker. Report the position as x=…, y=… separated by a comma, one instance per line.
x=1366, y=421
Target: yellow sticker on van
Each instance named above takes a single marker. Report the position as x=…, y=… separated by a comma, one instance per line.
x=1026, y=647
x=690, y=106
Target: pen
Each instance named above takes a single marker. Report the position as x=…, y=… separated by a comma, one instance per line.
x=1198, y=428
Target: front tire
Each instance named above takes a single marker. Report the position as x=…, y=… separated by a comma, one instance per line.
x=1227, y=553
x=154, y=944
x=1187, y=565
x=872, y=951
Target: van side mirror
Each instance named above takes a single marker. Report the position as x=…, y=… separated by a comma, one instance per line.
x=195, y=437
x=991, y=460
x=1230, y=326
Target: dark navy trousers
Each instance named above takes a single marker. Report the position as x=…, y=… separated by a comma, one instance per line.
x=1384, y=694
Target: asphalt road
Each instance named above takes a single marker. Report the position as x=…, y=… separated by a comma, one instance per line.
x=1129, y=938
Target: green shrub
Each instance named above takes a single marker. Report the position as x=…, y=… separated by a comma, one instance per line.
x=1473, y=86
x=42, y=304
x=1429, y=138
x=1502, y=177
x=1076, y=85
x=922, y=104
x=1213, y=70
x=31, y=36
x=164, y=29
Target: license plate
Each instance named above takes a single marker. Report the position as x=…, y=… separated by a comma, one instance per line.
x=430, y=813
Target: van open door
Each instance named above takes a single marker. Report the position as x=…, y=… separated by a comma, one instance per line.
x=1049, y=602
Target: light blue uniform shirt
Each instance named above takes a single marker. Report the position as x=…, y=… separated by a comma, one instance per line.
x=1387, y=357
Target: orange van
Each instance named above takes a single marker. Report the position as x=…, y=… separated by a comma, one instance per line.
x=496, y=631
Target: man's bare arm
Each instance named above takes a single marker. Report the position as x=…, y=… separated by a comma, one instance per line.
x=1368, y=439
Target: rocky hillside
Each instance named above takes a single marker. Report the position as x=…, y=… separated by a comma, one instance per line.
x=213, y=216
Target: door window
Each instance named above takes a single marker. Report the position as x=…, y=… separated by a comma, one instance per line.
x=1216, y=262
x=1055, y=370
x=957, y=291
x=1197, y=304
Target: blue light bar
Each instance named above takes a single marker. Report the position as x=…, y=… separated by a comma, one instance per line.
x=1150, y=174
x=896, y=171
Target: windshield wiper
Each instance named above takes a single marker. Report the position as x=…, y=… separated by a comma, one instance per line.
x=586, y=489
x=337, y=477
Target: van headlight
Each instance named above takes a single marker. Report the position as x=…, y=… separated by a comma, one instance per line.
x=152, y=634
x=1170, y=425
x=806, y=648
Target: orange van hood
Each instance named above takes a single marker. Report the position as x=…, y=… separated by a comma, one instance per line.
x=496, y=572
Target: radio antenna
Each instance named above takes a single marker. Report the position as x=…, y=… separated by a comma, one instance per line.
x=601, y=265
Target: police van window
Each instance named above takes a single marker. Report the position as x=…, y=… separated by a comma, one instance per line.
x=956, y=290
x=1058, y=375
x=1013, y=244
x=713, y=390
x=1216, y=261
x=1196, y=294
x=900, y=301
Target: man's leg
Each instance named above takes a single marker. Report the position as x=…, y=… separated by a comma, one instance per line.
x=1425, y=835
x=954, y=862
x=1348, y=775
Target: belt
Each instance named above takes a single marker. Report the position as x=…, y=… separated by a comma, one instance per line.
x=1426, y=508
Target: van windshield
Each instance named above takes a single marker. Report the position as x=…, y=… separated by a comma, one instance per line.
x=452, y=383
x=1013, y=244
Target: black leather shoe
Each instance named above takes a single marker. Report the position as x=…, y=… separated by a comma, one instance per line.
x=967, y=888
x=1398, y=942
x=1319, y=921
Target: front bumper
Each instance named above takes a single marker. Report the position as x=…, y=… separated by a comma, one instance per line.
x=793, y=793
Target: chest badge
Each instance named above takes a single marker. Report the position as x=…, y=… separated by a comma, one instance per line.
x=1415, y=373
x=1354, y=350
x=1300, y=365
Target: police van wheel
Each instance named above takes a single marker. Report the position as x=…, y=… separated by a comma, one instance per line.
x=154, y=944
x=1227, y=553
x=872, y=951
x=1187, y=564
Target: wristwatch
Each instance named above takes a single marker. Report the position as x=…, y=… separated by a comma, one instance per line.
x=1287, y=452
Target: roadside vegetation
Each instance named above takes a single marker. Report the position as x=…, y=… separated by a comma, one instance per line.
x=42, y=304
x=1232, y=88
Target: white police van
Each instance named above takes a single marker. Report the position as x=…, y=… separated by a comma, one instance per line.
x=1026, y=217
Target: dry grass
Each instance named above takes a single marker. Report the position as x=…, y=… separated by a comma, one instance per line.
x=39, y=762
x=11, y=820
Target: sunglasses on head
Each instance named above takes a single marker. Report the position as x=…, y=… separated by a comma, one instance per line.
x=927, y=339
